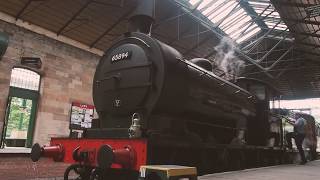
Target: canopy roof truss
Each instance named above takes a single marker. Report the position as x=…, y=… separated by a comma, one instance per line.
x=275, y=38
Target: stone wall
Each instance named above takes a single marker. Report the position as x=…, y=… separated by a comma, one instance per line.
x=67, y=77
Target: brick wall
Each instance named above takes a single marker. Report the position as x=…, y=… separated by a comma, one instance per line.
x=67, y=76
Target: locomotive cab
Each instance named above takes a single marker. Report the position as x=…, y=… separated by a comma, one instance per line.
x=259, y=126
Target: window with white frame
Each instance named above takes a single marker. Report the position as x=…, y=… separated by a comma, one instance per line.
x=24, y=78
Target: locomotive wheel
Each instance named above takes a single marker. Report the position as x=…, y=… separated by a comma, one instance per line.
x=77, y=172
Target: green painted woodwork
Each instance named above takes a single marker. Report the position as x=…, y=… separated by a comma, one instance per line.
x=25, y=94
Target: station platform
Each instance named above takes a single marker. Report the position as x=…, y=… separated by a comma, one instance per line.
x=309, y=171
x=18, y=166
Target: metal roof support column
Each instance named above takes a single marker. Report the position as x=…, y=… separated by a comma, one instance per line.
x=279, y=59
x=258, y=41
x=271, y=50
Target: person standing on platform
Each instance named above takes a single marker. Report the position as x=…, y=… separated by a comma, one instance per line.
x=299, y=134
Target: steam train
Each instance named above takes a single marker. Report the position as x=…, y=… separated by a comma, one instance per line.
x=155, y=107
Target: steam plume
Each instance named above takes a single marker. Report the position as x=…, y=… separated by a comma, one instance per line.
x=226, y=60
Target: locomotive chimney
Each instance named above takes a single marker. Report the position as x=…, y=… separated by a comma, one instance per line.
x=143, y=17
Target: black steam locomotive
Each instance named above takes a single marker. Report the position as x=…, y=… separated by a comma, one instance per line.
x=155, y=107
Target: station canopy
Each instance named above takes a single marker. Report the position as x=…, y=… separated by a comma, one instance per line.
x=272, y=40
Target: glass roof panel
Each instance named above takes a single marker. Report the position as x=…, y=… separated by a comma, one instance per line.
x=249, y=34
x=267, y=10
x=229, y=16
x=236, y=19
x=193, y=2
x=211, y=8
x=204, y=4
x=239, y=26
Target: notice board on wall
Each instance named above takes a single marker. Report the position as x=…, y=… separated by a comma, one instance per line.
x=81, y=116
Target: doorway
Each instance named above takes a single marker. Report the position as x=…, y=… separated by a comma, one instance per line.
x=21, y=109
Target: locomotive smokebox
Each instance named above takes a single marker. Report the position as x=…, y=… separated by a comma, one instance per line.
x=143, y=17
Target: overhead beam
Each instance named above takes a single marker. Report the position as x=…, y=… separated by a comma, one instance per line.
x=292, y=4
x=73, y=17
x=248, y=8
x=309, y=44
x=308, y=52
x=307, y=34
x=124, y=16
x=286, y=69
x=108, y=4
x=23, y=9
x=302, y=21
x=47, y=33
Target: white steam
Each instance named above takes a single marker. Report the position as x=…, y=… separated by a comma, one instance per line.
x=226, y=60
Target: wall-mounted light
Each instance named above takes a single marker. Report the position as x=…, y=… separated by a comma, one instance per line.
x=33, y=62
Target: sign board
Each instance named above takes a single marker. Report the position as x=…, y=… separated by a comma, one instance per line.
x=313, y=11
x=81, y=116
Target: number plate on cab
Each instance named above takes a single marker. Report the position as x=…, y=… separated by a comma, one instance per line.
x=121, y=56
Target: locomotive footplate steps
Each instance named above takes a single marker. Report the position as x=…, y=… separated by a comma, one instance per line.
x=167, y=172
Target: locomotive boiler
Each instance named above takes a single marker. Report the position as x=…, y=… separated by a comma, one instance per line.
x=156, y=107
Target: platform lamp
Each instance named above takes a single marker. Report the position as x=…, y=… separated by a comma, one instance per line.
x=4, y=41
